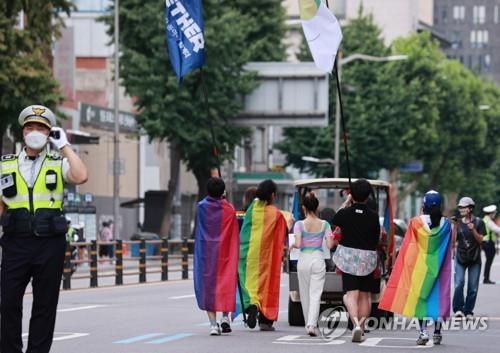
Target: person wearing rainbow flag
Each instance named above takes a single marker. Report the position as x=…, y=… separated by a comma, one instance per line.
x=420, y=283
x=216, y=250
x=262, y=240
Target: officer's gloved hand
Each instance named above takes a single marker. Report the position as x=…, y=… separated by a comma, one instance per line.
x=58, y=137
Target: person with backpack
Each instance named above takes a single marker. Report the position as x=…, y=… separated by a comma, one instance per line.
x=469, y=238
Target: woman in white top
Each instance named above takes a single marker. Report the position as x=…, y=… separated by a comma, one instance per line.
x=309, y=236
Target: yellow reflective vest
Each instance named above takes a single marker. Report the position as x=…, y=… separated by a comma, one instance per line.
x=46, y=193
x=490, y=235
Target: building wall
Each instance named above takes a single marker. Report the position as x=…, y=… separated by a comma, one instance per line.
x=472, y=26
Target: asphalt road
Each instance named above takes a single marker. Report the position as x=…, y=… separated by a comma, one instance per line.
x=163, y=317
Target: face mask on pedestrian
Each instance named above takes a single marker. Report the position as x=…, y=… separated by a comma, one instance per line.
x=35, y=140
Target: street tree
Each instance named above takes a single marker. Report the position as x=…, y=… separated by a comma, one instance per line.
x=178, y=113
x=25, y=73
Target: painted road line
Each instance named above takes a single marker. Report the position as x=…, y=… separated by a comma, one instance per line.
x=69, y=336
x=81, y=308
x=182, y=296
x=374, y=342
x=306, y=340
x=171, y=338
x=139, y=338
x=233, y=324
x=62, y=336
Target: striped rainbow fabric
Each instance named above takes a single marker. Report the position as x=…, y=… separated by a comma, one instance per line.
x=420, y=282
x=216, y=255
x=262, y=240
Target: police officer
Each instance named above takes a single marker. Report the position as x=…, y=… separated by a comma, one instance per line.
x=34, y=228
x=489, y=240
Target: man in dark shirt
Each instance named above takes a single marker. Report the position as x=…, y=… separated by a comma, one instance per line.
x=470, y=232
x=360, y=234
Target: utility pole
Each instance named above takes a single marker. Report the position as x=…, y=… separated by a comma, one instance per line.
x=116, y=138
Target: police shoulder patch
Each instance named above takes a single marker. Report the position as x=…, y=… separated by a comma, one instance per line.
x=9, y=157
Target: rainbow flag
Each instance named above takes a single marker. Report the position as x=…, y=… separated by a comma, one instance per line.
x=216, y=250
x=420, y=282
x=262, y=240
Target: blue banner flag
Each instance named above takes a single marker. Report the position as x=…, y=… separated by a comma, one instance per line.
x=185, y=35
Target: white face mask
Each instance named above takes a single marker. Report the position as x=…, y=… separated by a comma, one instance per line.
x=35, y=140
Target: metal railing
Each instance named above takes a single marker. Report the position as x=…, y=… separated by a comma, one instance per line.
x=119, y=259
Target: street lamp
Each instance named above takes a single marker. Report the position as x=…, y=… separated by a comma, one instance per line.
x=319, y=160
x=342, y=61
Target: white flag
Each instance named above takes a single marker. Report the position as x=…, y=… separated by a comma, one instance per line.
x=322, y=32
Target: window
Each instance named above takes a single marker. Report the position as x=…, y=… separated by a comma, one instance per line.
x=479, y=14
x=495, y=14
x=458, y=13
x=444, y=15
x=456, y=40
x=473, y=39
x=487, y=61
x=479, y=39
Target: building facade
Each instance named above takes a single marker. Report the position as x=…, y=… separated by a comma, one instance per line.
x=472, y=27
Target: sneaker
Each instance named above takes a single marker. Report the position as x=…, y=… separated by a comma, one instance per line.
x=214, y=330
x=423, y=338
x=487, y=281
x=437, y=338
x=267, y=327
x=311, y=331
x=469, y=317
x=357, y=334
x=459, y=314
x=252, y=312
x=225, y=326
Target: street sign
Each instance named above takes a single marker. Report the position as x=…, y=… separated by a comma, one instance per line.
x=104, y=118
x=412, y=167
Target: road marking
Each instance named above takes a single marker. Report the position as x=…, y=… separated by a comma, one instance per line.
x=374, y=342
x=139, y=338
x=171, y=338
x=182, y=296
x=70, y=336
x=62, y=336
x=233, y=324
x=306, y=340
x=80, y=308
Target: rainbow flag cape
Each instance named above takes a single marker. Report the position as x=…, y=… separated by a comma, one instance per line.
x=262, y=240
x=216, y=249
x=420, y=282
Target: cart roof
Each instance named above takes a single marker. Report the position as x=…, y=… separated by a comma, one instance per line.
x=340, y=183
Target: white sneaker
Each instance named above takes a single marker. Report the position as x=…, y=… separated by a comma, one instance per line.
x=215, y=330
x=459, y=314
x=423, y=338
x=357, y=334
x=469, y=317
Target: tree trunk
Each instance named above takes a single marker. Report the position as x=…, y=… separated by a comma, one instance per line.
x=394, y=174
x=175, y=163
x=452, y=200
x=202, y=177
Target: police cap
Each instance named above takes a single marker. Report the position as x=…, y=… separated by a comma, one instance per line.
x=37, y=114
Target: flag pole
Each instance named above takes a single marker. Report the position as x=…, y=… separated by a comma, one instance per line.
x=341, y=109
x=342, y=120
x=215, y=152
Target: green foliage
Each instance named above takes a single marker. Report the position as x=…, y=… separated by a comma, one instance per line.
x=424, y=108
x=178, y=113
x=25, y=73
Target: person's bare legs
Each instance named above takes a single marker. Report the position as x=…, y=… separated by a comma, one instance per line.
x=364, y=308
x=351, y=303
x=212, y=316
